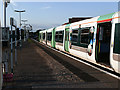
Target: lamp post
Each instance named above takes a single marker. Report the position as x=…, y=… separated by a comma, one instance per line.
x=5, y=2
x=20, y=23
x=24, y=27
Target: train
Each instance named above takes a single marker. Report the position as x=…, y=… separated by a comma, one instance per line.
x=96, y=40
x=0, y=56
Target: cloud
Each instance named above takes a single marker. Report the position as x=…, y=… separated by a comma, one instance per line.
x=47, y=7
x=13, y=3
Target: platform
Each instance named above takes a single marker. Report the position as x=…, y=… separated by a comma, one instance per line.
x=41, y=67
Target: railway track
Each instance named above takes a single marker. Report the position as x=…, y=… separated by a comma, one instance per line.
x=99, y=67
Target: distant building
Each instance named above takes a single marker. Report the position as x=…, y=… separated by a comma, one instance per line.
x=76, y=19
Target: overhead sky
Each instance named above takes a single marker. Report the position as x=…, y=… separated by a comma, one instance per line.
x=52, y=14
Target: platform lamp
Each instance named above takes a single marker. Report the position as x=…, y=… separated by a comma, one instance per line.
x=5, y=4
x=24, y=27
x=20, y=11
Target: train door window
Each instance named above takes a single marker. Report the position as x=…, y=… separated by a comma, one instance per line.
x=74, y=37
x=66, y=35
x=84, y=36
x=117, y=39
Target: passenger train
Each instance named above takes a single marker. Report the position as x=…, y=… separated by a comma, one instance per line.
x=96, y=40
x=0, y=56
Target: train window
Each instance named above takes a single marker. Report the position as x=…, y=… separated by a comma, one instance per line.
x=43, y=36
x=84, y=36
x=101, y=33
x=49, y=36
x=40, y=36
x=117, y=39
x=74, y=37
x=59, y=36
x=105, y=32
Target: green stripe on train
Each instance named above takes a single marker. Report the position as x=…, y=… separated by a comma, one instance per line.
x=104, y=17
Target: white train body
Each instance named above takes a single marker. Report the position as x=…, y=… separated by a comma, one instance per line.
x=95, y=40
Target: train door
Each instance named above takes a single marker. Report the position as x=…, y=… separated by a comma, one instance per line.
x=53, y=38
x=42, y=37
x=66, y=43
x=103, y=38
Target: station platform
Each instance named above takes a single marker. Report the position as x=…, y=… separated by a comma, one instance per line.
x=41, y=67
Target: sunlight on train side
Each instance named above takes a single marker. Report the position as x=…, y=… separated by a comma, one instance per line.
x=115, y=43
x=119, y=34
x=0, y=56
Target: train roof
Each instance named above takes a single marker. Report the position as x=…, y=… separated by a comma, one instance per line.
x=49, y=30
x=116, y=17
x=60, y=28
x=88, y=22
x=85, y=23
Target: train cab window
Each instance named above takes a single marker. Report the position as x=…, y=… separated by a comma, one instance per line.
x=74, y=39
x=84, y=36
x=117, y=39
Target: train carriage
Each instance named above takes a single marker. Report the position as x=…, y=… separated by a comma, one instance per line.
x=59, y=37
x=49, y=36
x=96, y=40
x=82, y=41
x=42, y=36
x=115, y=42
x=108, y=41
x=66, y=37
x=1, y=78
